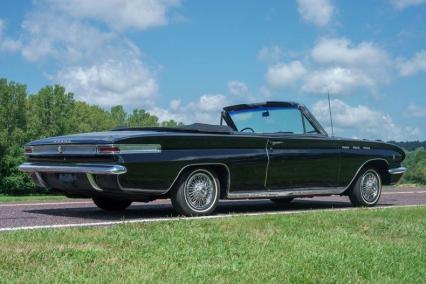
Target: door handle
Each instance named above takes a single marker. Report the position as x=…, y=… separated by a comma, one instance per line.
x=274, y=143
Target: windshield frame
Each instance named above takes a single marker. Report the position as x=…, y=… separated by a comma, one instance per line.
x=305, y=113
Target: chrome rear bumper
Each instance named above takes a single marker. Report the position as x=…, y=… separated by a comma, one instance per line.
x=73, y=168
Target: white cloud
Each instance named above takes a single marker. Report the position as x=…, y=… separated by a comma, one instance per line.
x=265, y=93
x=341, y=51
x=402, y=4
x=98, y=64
x=336, y=66
x=335, y=80
x=361, y=121
x=416, y=64
x=416, y=111
x=238, y=88
x=120, y=14
x=128, y=82
x=283, y=75
x=205, y=110
x=270, y=54
x=317, y=12
x=7, y=44
x=46, y=34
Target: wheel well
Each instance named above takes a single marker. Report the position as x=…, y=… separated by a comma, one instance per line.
x=221, y=170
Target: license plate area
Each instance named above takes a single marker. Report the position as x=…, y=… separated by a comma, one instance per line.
x=67, y=178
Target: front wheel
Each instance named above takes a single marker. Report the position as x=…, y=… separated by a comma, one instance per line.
x=367, y=189
x=109, y=204
x=197, y=193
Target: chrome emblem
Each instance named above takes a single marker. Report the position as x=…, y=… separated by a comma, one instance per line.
x=60, y=150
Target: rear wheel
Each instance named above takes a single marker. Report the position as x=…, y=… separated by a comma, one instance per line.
x=109, y=204
x=197, y=193
x=367, y=189
x=282, y=201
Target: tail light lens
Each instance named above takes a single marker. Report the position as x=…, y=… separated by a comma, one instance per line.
x=28, y=149
x=108, y=149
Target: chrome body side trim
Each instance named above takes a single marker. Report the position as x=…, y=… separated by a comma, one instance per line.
x=285, y=193
x=138, y=148
x=397, y=171
x=162, y=192
x=97, y=169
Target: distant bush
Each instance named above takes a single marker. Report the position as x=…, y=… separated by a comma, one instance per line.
x=416, y=164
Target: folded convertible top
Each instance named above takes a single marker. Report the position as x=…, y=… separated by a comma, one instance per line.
x=193, y=128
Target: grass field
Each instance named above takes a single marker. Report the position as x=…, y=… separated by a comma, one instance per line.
x=35, y=197
x=353, y=246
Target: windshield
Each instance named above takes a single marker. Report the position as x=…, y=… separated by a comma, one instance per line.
x=272, y=120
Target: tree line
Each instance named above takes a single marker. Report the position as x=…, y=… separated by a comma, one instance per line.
x=51, y=112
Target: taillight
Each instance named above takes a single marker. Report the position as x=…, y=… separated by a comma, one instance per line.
x=108, y=149
x=28, y=149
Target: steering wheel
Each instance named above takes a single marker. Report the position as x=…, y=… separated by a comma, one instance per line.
x=247, y=128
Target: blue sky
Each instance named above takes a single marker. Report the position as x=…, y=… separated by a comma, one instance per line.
x=184, y=60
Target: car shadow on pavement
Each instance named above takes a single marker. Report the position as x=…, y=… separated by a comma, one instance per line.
x=164, y=210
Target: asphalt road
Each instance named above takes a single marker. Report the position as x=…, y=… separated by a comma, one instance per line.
x=78, y=213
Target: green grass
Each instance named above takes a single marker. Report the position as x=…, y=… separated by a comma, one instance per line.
x=34, y=197
x=386, y=246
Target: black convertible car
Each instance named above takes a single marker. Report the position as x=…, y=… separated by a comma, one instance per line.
x=274, y=150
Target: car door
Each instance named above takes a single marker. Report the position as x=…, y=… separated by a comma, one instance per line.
x=303, y=159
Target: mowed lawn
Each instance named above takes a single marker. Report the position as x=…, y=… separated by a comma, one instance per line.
x=383, y=245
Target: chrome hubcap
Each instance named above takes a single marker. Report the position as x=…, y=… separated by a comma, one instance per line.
x=370, y=187
x=200, y=191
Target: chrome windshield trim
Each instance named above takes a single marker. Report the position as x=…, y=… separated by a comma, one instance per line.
x=97, y=169
x=397, y=171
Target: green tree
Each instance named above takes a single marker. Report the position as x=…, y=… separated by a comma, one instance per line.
x=50, y=112
x=13, y=123
x=87, y=118
x=141, y=118
x=118, y=116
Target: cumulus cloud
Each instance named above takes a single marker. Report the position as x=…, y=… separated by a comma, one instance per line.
x=270, y=54
x=362, y=122
x=416, y=64
x=84, y=40
x=119, y=14
x=416, y=111
x=238, y=88
x=336, y=80
x=343, y=52
x=334, y=65
x=283, y=75
x=7, y=44
x=402, y=4
x=206, y=109
x=47, y=35
x=129, y=83
x=317, y=12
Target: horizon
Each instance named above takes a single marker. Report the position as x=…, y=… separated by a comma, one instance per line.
x=185, y=60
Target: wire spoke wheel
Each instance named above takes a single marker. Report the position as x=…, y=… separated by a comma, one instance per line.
x=367, y=189
x=200, y=191
x=370, y=187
